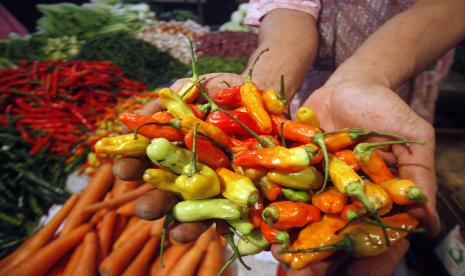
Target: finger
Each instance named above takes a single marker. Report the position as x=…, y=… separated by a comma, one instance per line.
x=155, y=204
x=177, y=85
x=325, y=267
x=383, y=264
x=130, y=168
x=416, y=163
x=152, y=108
x=186, y=232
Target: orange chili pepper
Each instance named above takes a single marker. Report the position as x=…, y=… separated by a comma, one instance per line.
x=275, y=103
x=288, y=214
x=200, y=110
x=348, y=156
x=162, y=117
x=338, y=140
x=403, y=191
x=316, y=234
x=281, y=158
x=132, y=121
x=294, y=131
x=372, y=163
x=212, y=132
x=207, y=152
x=330, y=201
x=269, y=189
x=251, y=99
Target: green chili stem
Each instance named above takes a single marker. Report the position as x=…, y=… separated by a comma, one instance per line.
x=227, y=264
x=282, y=92
x=195, y=83
x=281, y=133
x=226, y=83
x=168, y=218
x=367, y=148
x=356, y=189
x=249, y=76
x=195, y=71
x=214, y=106
x=230, y=239
x=417, y=230
x=318, y=138
x=416, y=194
x=193, y=168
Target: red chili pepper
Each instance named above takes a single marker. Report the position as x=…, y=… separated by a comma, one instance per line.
x=294, y=131
x=230, y=96
x=349, y=212
x=288, y=214
x=275, y=236
x=207, y=152
x=229, y=126
x=199, y=110
x=255, y=213
x=40, y=144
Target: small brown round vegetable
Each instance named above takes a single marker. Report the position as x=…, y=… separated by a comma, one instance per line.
x=130, y=168
x=188, y=231
x=155, y=204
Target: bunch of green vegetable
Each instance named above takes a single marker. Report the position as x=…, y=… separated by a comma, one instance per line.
x=64, y=47
x=18, y=48
x=29, y=185
x=138, y=59
x=212, y=64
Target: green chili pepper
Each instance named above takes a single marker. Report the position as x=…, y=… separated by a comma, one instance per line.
x=241, y=225
x=295, y=195
x=166, y=155
x=215, y=208
x=308, y=178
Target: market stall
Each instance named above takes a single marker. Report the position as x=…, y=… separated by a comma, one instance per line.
x=225, y=177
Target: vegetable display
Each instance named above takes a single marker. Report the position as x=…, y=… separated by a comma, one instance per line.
x=282, y=181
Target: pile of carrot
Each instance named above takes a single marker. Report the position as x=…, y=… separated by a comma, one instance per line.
x=102, y=235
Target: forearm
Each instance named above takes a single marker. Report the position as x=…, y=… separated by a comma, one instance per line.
x=406, y=44
x=292, y=39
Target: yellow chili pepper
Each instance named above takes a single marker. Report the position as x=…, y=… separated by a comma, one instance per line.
x=275, y=103
x=404, y=192
x=308, y=178
x=174, y=103
x=381, y=200
x=123, y=145
x=203, y=184
x=306, y=115
x=347, y=181
x=237, y=188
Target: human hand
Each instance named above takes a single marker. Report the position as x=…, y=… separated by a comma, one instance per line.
x=375, y=107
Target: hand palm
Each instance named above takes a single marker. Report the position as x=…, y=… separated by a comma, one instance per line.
x=377, y=108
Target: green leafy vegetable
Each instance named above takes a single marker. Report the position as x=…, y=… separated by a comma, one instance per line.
x=214, y=64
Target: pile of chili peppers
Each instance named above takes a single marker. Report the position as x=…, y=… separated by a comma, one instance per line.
x=238, y=160
x=56, y=104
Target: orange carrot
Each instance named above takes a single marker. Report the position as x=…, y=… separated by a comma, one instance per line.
x=157, y=227
x=46, y=257
x=121, y=186
x=76, y=255
x=87, y=264
x=127, y=209
x=59, y=267
x=42, y=237
x=213, y=260
x=118, y=200
x=95, y=191
x=120, y=225
x=141, y=263
x=117, y=261
x=188, y=264
x=170, y=258
x=105, y=233
x=128, y=234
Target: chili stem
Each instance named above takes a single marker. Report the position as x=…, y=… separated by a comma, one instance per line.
x=282, y=92
x=249, y=76
x=318, y=138
x=226, y=83
x=195, y=71
x=281, y=133
x=386, y=237
x=417, y=230
x=173, y=123
x=230, y=239
x=227, y=264
x=169, y=217
x=193, y=168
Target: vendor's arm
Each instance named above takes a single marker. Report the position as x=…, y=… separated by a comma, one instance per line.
x=406, y=44
x=291, y=36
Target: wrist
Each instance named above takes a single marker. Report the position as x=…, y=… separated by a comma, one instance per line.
x=359, y=71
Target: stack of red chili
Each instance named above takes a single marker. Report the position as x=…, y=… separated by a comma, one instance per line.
x=239, y=161
x=56, y=104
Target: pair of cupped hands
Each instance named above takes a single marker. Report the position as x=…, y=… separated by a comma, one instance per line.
x=352, y=104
